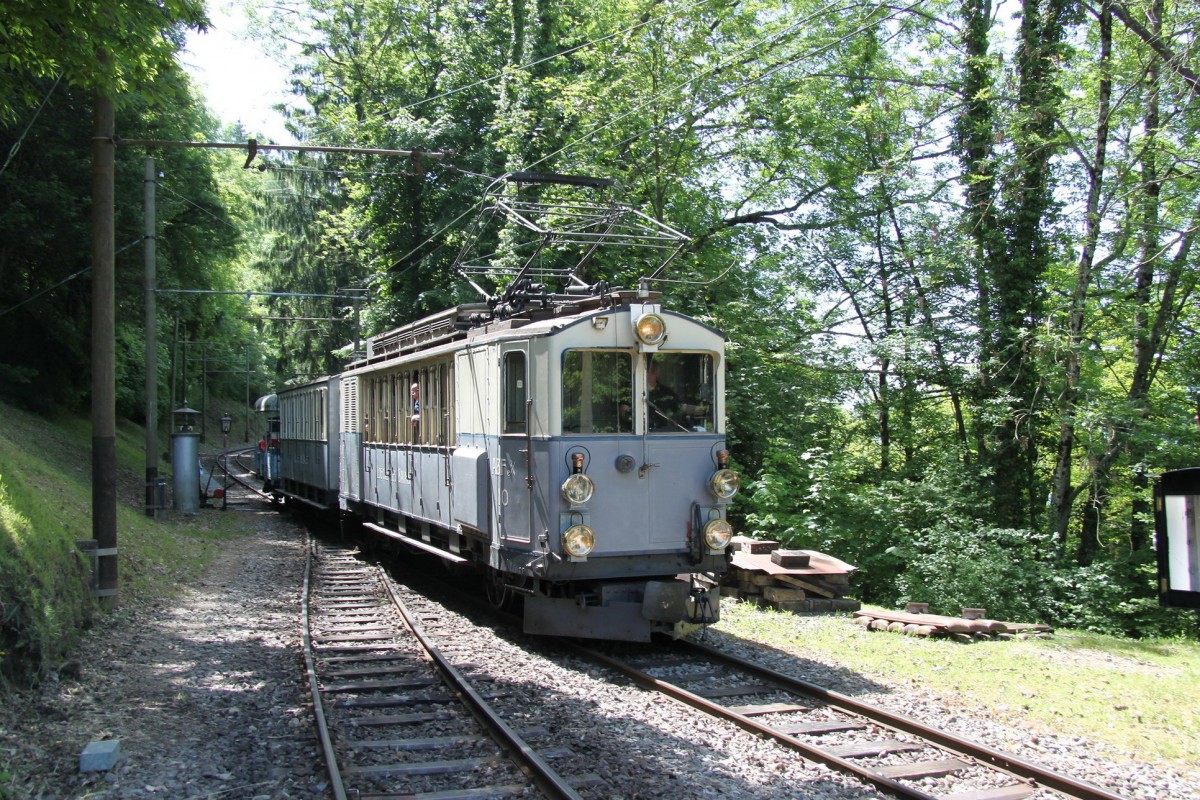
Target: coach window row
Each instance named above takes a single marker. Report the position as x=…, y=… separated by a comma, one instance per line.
x=392, y=415
x=303, y=414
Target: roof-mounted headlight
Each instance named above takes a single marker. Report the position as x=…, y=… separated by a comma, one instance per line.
x=651, y=330
x=578, y=541
x=717, y=533
x=724, y=484
x=578, y=489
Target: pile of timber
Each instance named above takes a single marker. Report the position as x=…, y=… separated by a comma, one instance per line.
x=800, y=581
x=971, y=626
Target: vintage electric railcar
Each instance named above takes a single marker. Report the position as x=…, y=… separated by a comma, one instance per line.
x=568, y=442
x=576, y=455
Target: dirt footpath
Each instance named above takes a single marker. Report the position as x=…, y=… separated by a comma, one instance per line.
x=207, y=696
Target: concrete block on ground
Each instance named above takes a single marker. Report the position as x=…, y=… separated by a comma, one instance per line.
x=100, y=756
x=791, y=606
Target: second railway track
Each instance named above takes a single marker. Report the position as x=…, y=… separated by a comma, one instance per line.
x=396, y=717
x=898, y=755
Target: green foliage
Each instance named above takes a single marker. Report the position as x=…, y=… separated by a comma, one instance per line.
x=45, y=506
x=1002, y=570
x=888, y=211
x=1116, y=598
x=45, y=254
x=896, y=299
x=122, y=48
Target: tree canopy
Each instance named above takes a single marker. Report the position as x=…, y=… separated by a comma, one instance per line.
x=951, y=243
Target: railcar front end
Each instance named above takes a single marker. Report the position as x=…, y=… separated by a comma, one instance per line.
x=605, y=514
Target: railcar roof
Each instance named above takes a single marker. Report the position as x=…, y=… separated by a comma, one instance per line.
x=470, y=321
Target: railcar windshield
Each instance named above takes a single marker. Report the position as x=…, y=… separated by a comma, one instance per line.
x=680, y=388
x=597, y=391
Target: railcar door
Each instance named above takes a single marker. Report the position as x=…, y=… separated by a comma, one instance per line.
x=679, y=436
x=516, y=468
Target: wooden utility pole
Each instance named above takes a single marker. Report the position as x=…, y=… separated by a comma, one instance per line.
x=150, y=279
x=104, y=417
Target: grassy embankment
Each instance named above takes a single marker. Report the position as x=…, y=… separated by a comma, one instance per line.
x=45, y=506
x=1140, y=699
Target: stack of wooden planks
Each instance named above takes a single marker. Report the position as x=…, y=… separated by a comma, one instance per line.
x=789, y=580
x=969, y=627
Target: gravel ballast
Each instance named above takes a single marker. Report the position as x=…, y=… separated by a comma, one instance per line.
x=207, y=697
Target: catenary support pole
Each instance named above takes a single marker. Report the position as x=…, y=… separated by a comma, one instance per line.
x=149, y=179
x=104, y=418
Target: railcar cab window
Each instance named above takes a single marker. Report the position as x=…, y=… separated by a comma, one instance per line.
x=597, y=391
x=679, y=393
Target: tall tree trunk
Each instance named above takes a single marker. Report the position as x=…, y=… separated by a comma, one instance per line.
x=1018, y=279
x=885, y=363
x=1062, y=495
x=975, y=133
x=944, y=373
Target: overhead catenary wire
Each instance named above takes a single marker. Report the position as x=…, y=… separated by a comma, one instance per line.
x=195, y=205
x=17, y=144
x=67, y=279
x=734, y=58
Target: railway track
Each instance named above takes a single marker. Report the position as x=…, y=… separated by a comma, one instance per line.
x=395, y=716
x=232, y=472
x=895, y=754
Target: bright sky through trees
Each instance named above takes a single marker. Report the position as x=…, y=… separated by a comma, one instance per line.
x=240, y=81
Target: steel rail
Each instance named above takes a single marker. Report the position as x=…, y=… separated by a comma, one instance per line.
x=331, y=765
x=543, y=775
x=1006, y=762
x=221, y=463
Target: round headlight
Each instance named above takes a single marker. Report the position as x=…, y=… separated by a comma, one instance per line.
x=651, y=329
x=577, y=489
x=724, y=484
x=578, y=541
x=717, y=534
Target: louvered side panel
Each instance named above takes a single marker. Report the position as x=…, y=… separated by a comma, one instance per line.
x=351, y=450
x=350, y=405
